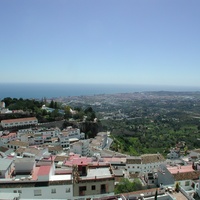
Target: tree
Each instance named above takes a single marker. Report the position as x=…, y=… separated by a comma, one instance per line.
x=51, y=105
x=56, y=105
x=177, y=187
x=68, y=114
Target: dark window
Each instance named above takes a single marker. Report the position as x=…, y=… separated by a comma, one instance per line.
x=37, y=193
x=67, y=190
x=53, y=191
x=93, y=187
x=103, y=189
x=82, y=190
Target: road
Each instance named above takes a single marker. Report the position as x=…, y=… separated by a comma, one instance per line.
x=109, y=142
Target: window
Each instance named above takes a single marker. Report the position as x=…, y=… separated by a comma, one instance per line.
x=103, y=188
x=93, y=187
x=53, y=191
x=37, y=193
x=67, y=190
x=82, y=188
x=187, y=183
x=19, y=191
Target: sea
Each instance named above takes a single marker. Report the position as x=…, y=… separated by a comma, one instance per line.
x=50, y=90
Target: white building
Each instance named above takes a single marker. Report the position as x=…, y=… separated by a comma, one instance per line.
x=38, y=139
x=72, y=132
x=51, y=132
x=40, y=181
x=100, y=140
x=2, y=104
x=6, y=166
x=81, y=147
x=174, y=154
x=39, y=136
x=37, y=153
x=144, y=164
x=26, y=131
x=28, y=138
x=19, y=122
x=16, y=144
x=7, y=137
x=194, y=155
x=64, y=140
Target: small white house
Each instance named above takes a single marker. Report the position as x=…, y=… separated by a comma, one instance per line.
x=6, y=166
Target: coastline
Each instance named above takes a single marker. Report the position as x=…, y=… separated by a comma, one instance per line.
x=50, y=90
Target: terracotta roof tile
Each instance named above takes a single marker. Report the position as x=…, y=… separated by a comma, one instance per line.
x=133, y=160
x=152, y=158
x=187, y=176
x=18, y=143
x=19, y=120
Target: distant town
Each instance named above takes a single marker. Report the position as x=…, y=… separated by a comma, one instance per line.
x=141, y=146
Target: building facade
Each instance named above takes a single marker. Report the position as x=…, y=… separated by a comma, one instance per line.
x=9, y=123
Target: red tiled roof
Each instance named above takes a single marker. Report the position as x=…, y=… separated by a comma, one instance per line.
x=180, y=169
x=187, y=176
x=9, y=135
x=44, y=170
x=18, y=143
x=19, y=120
x=77, y=160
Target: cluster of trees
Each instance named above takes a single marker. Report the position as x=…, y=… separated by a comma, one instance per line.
x=22, y=104
x=54, y=104
x=153, y=134
x=78, y=113
x=34, y=108
x=125, y=186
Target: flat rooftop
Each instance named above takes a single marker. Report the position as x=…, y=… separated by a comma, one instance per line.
x=98, y=172
x=63, y=177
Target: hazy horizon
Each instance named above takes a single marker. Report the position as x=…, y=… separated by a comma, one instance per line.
x=50, y=90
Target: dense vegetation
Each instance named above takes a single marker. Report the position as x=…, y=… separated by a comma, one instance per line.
x=137, y=138
x=125, y=186
x=31, y=107
x=155, y=123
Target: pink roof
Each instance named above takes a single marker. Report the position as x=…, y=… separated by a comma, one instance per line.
x=180, y=169
x=35, y=172
x=82, y=161
x=44, y=170
x=9, y=135
x=75, y=159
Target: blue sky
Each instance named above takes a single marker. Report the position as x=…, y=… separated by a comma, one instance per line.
x=154, y=42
